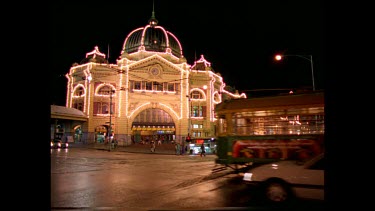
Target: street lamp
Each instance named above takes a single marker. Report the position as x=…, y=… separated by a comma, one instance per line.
x=278, y=57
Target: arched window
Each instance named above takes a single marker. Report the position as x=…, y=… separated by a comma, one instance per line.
x=103, y=101
x=153, y=116
x=105, y=90
x=196, y=95
x=79, y=92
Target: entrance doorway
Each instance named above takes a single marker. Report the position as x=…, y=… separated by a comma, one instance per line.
x=153, y=124
x=100, y=133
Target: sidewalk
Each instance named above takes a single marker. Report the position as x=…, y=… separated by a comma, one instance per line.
x=135, y=148
x=166, y=149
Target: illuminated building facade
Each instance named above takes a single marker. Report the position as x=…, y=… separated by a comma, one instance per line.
x=151, y=92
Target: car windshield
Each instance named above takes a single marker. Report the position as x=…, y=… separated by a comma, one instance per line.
x=309, y=161
x=316, y=162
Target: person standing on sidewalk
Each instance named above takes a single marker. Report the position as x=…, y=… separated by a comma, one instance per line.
x=203, y=151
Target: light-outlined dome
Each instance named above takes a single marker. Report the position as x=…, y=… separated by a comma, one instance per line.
x=152, y=38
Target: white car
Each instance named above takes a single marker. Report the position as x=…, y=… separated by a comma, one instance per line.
x=286, y=180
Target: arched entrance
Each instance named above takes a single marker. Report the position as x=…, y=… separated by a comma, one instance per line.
x=153, y=124
x=77, y=133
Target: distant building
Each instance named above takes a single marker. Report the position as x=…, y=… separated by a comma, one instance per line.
x=150, y=93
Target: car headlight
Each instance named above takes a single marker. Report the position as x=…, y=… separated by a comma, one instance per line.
x=247, y=176
x=51, y=144
x=59, y=144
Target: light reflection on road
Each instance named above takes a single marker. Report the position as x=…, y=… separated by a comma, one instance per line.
x=129, y=181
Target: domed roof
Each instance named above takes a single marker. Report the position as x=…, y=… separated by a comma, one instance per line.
x=152, y=38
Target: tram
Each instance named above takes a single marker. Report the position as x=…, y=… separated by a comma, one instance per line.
x=265, y=129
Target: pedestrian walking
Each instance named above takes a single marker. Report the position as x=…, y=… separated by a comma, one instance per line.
x=182, y=149
x=203, y=151
x=153, y=146
x=178, y=148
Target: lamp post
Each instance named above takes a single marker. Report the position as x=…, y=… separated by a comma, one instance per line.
x=189, y=108
x=189, y=113
x=307, y=57
x=110, y=119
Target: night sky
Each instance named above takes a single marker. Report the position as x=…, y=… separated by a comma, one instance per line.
x=240, y=38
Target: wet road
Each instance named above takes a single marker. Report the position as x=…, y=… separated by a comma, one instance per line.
x=86, y=179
